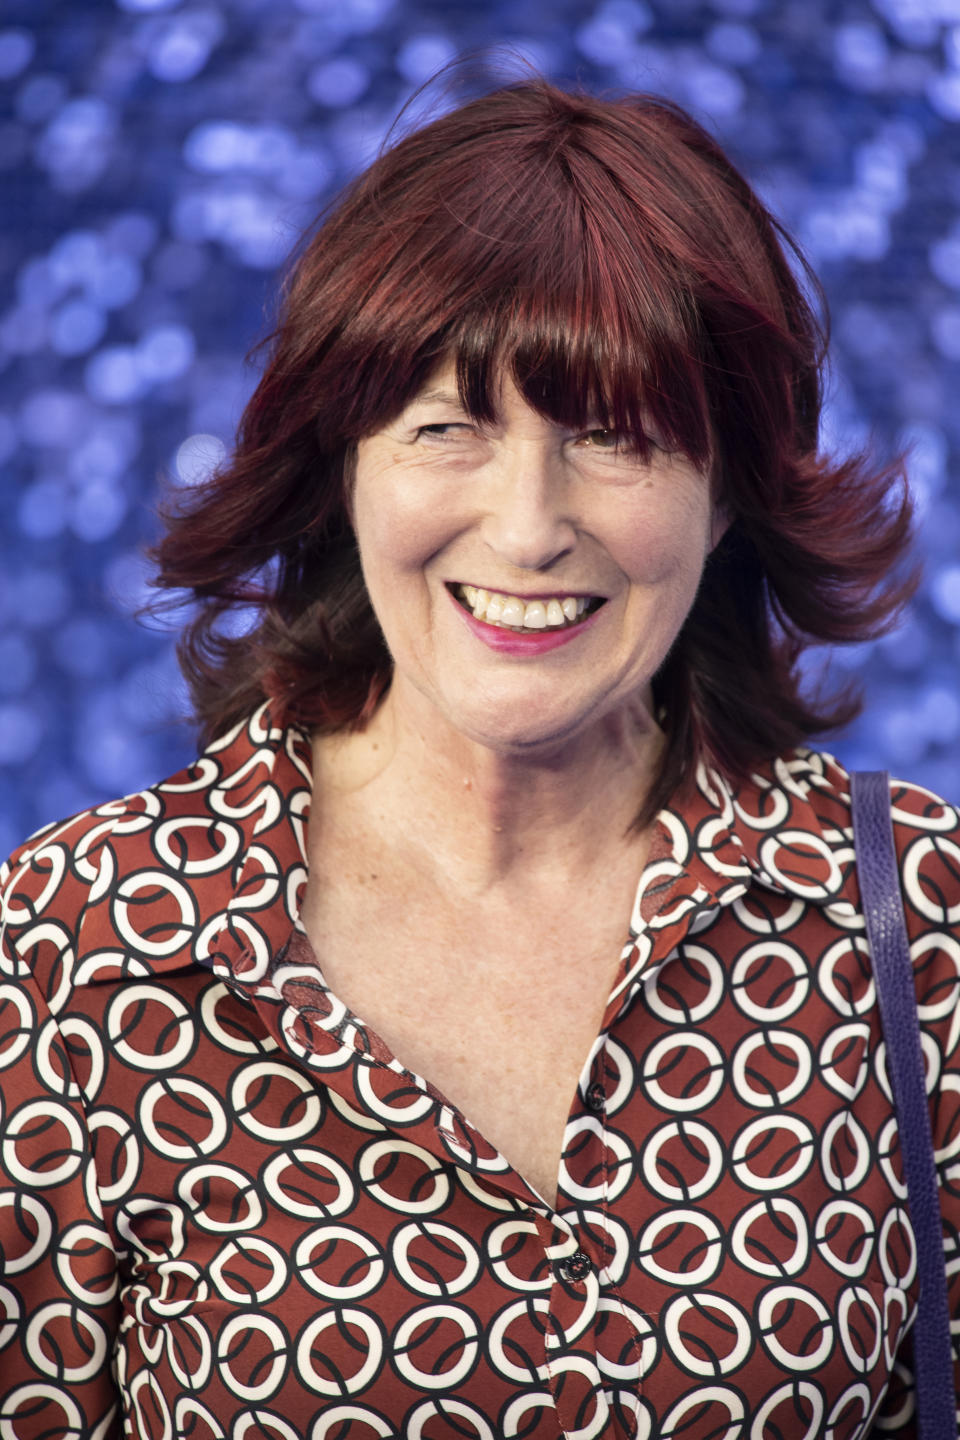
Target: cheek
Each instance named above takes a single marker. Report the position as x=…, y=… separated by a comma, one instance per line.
x=398, y=529
x=395, y=545
x=666, y=545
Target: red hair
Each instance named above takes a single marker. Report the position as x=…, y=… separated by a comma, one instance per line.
x=608, y=255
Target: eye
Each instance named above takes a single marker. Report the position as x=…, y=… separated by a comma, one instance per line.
x=605, y=440
x=444, y=430
x=619, y=442
x=610, y=441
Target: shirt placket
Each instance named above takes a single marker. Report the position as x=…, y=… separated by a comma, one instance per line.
x=597, y=1346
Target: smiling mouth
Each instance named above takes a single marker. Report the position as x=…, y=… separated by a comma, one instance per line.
x=511, y=612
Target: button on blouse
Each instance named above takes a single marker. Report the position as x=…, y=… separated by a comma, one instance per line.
x=576, y=1268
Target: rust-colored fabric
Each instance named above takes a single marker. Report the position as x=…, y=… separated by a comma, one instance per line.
x=227, y=1210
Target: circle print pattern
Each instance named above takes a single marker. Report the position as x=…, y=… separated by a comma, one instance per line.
x=151, y=1047
x=315, y=1264
x=228, y=1211
x=683, y=1160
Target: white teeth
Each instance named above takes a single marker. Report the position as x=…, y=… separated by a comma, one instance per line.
x=510, y=610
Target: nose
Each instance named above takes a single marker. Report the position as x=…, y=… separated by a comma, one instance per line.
x=529, y=519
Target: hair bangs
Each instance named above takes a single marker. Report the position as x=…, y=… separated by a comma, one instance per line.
x=580, y=373
x=592, y=327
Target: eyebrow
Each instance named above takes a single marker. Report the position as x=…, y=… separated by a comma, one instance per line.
x=446, y=397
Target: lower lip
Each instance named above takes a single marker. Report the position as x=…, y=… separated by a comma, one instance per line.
x=527, y=642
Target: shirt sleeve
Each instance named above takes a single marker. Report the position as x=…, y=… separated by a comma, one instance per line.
x=58, y=1266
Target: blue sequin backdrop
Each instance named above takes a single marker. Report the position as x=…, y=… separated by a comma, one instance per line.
x=157, y=160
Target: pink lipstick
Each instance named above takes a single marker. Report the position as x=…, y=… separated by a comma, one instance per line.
x=523, y=643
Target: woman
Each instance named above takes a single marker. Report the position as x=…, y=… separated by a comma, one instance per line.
x=534, y=1085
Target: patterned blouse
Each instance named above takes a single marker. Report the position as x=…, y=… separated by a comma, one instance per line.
x=228, y=1212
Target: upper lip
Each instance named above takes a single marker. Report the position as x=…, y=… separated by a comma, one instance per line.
x=530, y=595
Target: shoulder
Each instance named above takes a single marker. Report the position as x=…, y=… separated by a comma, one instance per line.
x=62, y=892
x=926, y=831
x=810, y=852
x=820, y=779
x=812, y=788
x=133, y=883
x=793, y=818
x=927, y=835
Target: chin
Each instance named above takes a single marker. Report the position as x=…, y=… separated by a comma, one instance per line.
x=514, y=735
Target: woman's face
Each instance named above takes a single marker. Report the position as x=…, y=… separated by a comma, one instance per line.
x=529, y=580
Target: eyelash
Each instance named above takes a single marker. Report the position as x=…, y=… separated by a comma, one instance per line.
x=434, y=427
x=440, y=425
x=622, y=443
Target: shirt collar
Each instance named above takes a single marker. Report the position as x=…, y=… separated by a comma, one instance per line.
x=259, y=781
x=786, y=828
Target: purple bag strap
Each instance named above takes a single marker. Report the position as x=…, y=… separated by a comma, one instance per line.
x=879, y=876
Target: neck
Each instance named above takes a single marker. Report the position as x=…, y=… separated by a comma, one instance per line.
x=485, y=820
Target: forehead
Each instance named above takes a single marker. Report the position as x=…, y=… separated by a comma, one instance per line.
x=499, y=387
x=442, y=387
